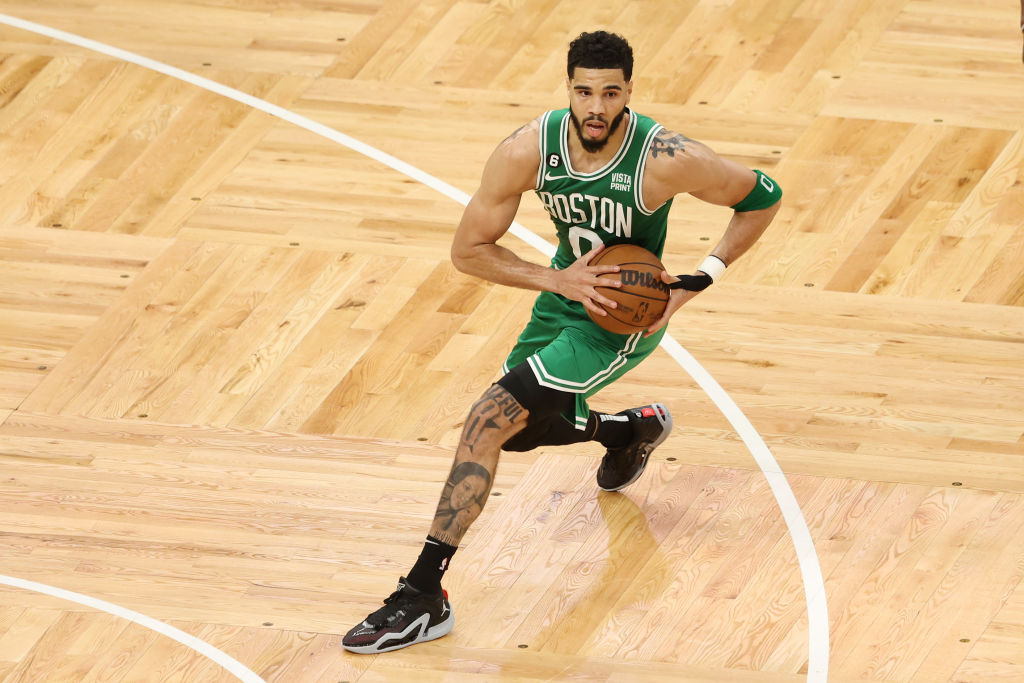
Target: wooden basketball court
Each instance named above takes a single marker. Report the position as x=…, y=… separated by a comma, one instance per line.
x=234, y=356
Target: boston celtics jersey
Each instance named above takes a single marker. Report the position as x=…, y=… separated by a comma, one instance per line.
x=603, y=207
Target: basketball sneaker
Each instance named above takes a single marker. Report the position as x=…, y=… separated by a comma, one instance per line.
x=409, y=616
x=620, y=467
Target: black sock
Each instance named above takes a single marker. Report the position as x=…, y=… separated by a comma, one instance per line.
x=433, y=561
x=613, y=431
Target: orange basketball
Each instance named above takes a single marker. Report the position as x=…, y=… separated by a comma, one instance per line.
x=642, y=297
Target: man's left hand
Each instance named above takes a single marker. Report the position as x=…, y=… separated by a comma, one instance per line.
x=676, y=299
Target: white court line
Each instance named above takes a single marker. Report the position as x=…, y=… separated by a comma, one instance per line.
x=807, y=557
x=200, y=646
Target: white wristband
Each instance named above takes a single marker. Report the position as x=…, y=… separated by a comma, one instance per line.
x=713, y=266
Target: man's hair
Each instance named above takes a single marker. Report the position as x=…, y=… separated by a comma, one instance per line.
x=601, y=50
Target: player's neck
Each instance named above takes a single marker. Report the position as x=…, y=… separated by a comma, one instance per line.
x=588, y=162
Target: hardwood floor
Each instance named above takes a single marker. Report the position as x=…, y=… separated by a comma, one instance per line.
x=235, y=359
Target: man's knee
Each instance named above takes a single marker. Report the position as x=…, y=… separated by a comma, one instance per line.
x=531, y=437
x=495, y=415
x=544, y=405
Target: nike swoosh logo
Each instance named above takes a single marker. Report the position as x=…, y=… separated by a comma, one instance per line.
x=548, y=176
x=365, y=628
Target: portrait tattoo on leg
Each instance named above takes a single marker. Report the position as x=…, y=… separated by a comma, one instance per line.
x=463, y=498
x=495, y=417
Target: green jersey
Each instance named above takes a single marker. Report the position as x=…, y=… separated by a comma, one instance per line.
x=603, y=207
x=564, y=348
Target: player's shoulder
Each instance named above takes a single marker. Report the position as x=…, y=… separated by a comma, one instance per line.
x=674, y=155
x=519, y=153
x=676, y=164
x=523, y=144
x=668, y=145
x=513, y=164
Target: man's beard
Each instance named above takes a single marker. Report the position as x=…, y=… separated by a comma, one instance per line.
x=592, y=146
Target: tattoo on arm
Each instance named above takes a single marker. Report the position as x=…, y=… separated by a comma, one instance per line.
x=668, y=143
x=519, y=131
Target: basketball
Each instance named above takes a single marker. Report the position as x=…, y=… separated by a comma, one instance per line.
x=641, y=299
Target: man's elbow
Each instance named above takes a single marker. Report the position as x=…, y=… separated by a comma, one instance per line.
x=461, y=257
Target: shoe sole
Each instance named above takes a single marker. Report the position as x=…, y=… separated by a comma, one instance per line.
x=433, y=633
x=665, y=418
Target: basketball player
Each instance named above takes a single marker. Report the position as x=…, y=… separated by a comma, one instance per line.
x=607, y=175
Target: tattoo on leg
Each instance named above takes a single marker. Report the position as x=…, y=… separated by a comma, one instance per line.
x=495, y=418
x=496, y=402
x=463, y=497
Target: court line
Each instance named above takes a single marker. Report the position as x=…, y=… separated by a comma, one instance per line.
x=230, y=663
x=807, y=557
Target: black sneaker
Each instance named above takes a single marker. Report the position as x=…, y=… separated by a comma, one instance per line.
x=620, y=467
x=408, y=617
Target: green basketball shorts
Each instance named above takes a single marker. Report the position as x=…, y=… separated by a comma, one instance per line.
x=568, y=352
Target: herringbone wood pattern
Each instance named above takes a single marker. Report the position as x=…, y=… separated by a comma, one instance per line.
x=234, y=356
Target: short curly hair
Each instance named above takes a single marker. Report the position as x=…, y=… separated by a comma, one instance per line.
x=600, y=50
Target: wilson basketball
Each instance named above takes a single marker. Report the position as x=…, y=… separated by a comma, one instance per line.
x=641, y=299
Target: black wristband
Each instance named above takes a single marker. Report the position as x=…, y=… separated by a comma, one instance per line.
x=692, y=283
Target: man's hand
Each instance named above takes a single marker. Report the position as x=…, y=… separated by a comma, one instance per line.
x=579, y=282
x=676, y=299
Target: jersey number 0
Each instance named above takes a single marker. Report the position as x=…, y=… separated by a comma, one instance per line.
x=577, y=234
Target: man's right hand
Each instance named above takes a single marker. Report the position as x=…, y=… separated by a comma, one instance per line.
x=579, y=282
